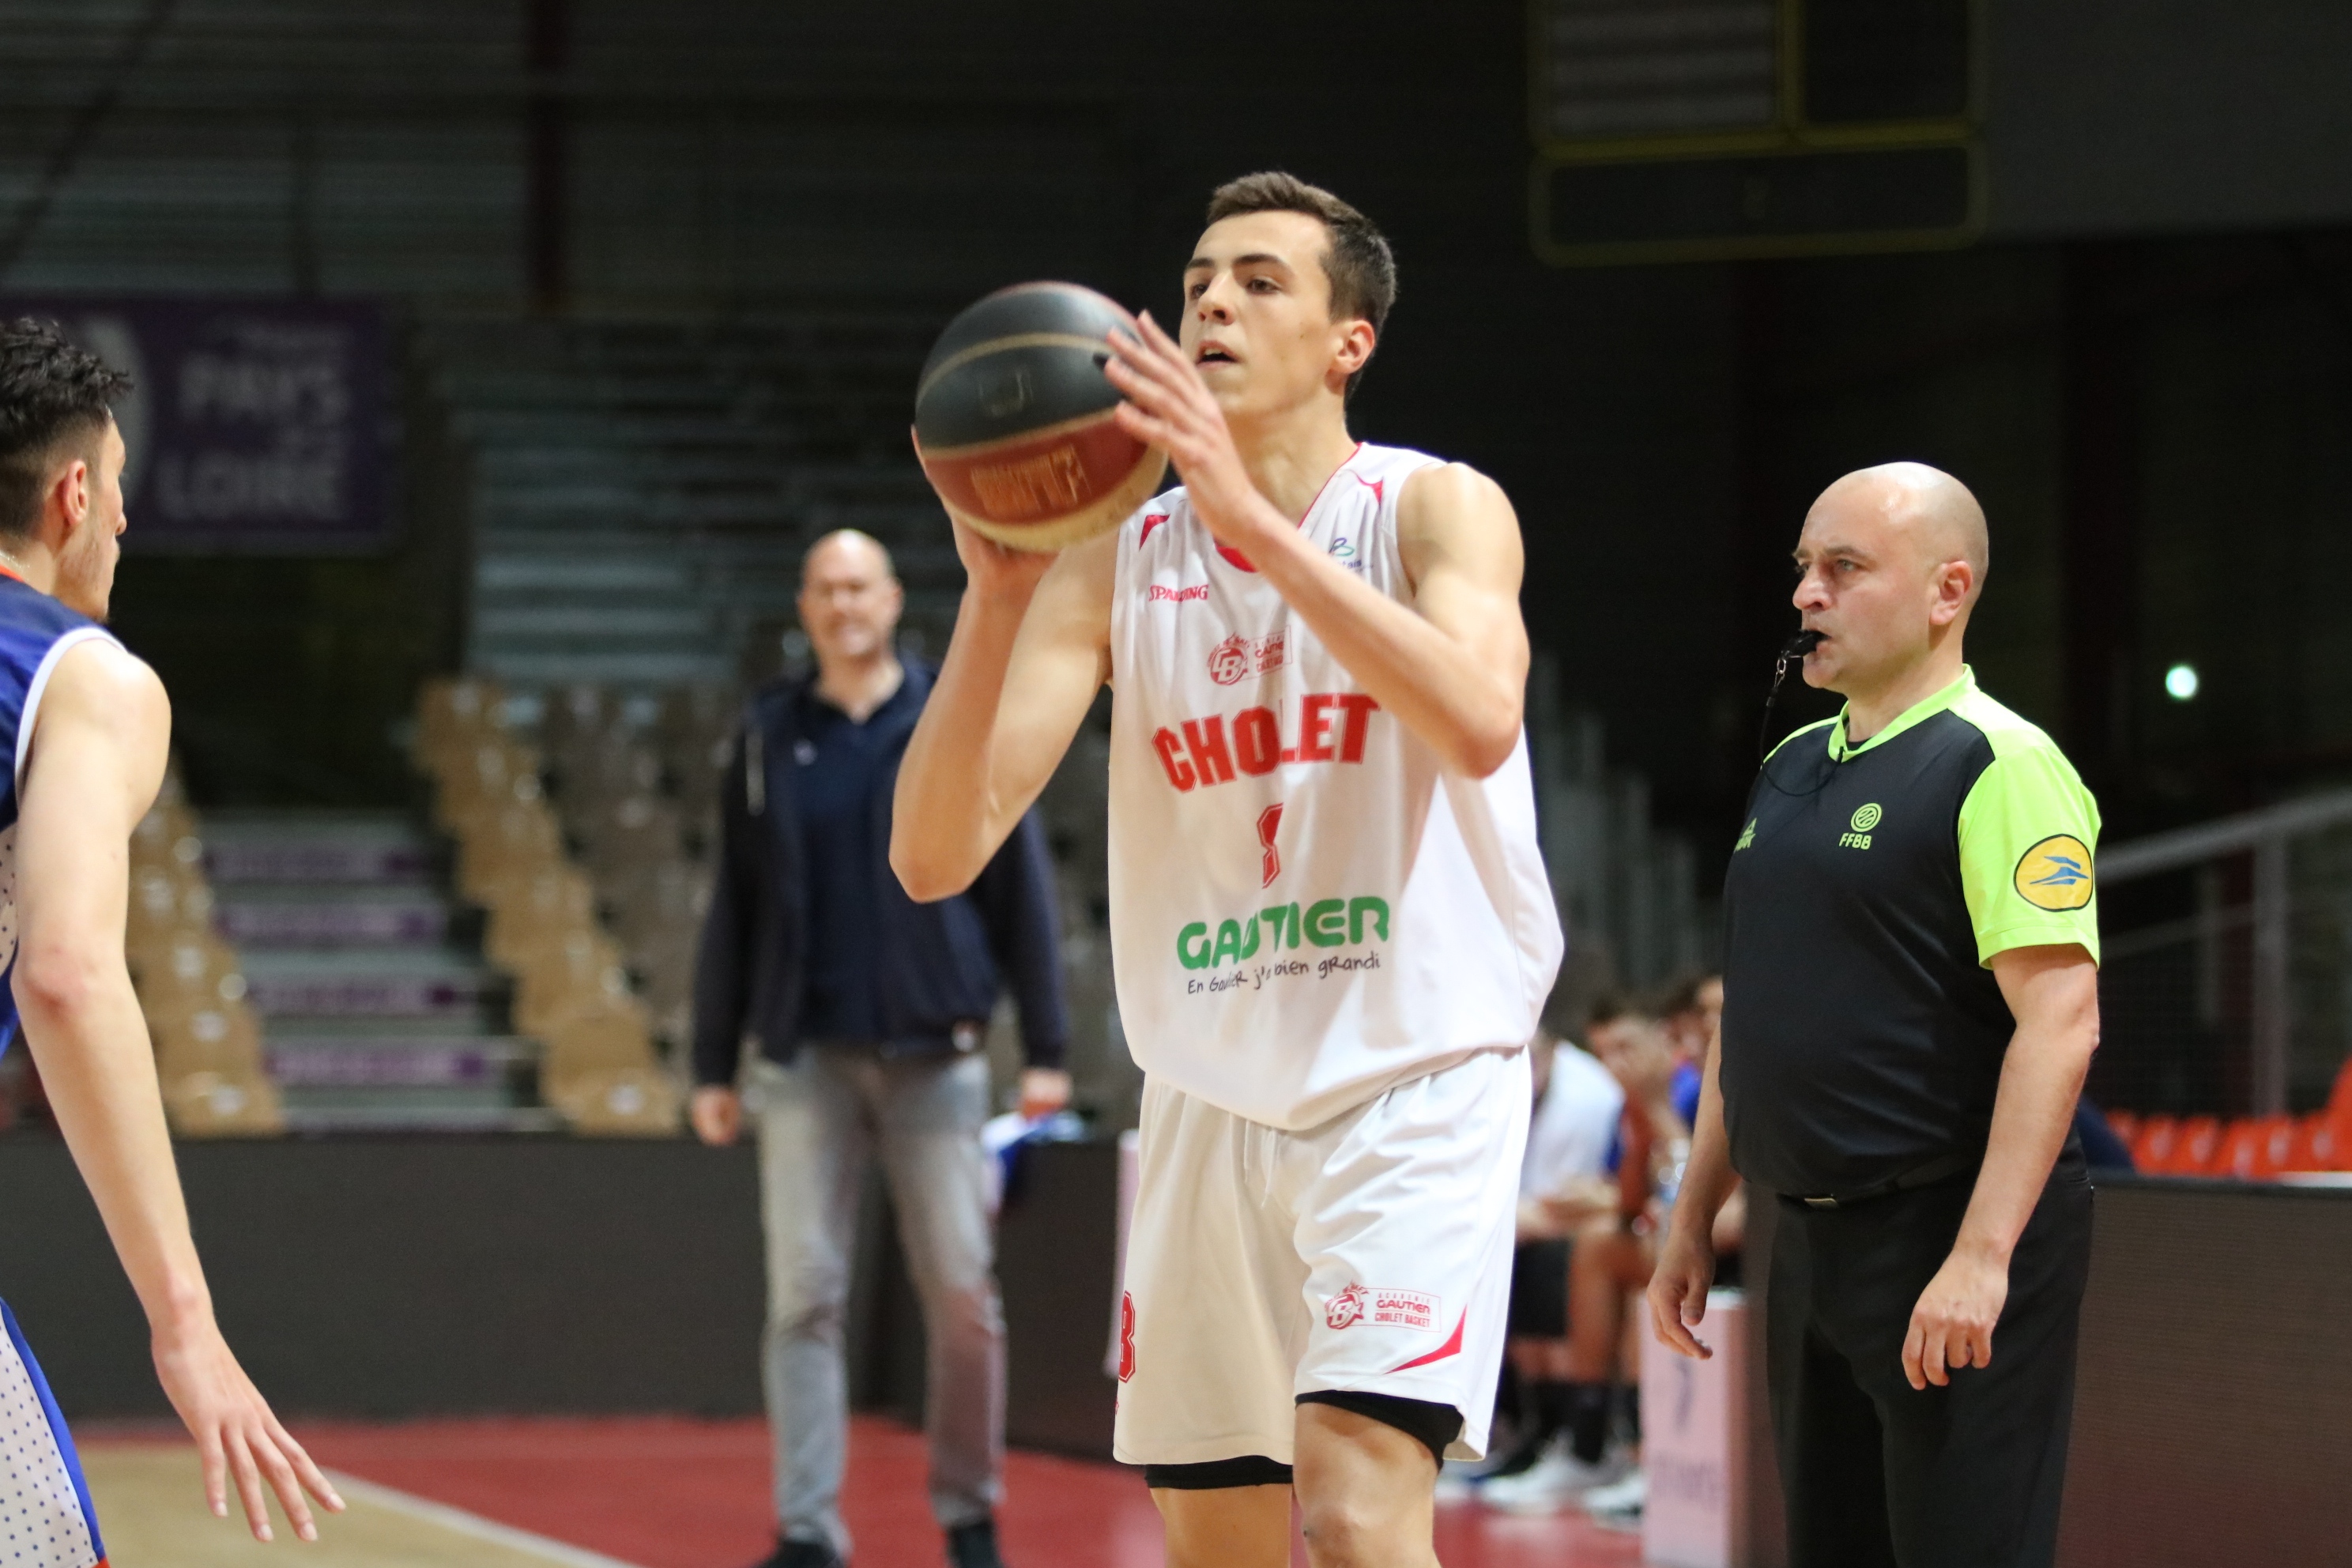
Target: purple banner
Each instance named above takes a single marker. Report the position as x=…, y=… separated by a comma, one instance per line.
x=255, y=424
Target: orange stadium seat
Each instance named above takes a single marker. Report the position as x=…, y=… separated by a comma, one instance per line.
x=2277, y=1146
x=2198, y=1144
x=2124, y=1124
x=2256, y=1148
x=2234, y=1155
x=2319, y=1144
x=2152, y=1150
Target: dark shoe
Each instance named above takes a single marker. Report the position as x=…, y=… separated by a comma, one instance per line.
x=973, y=1545
x=802, y=1554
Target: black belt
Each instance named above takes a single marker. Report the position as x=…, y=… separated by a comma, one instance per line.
x=1926, y=1175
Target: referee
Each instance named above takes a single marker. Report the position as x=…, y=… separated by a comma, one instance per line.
x=1910, y=1001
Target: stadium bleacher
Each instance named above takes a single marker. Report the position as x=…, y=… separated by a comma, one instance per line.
x=641, y=492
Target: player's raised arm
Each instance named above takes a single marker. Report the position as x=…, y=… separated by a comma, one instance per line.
x=97, y=759
x=1032, y=647
x=1453, y=665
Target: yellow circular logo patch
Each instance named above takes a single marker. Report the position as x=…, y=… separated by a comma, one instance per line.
x=2055, y=874
x=1867, y=817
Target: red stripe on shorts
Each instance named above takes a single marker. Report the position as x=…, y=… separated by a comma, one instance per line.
x=1451, y=1347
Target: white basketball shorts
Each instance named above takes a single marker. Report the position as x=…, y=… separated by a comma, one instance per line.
x=45, y=1520
x=1371, y=1254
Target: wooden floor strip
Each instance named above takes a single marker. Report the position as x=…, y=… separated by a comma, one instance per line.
x=151, y=1511
x=457, y=1521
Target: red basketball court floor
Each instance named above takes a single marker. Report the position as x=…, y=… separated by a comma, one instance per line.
x=676, y=1493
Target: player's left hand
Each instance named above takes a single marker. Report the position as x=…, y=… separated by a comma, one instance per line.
x=1952, y=1325
x=236, y=1437
x=1170, y=407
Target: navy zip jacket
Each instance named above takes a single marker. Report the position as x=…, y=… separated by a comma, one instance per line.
x=941, y=963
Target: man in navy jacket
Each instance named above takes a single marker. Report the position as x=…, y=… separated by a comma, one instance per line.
x=852, y=1018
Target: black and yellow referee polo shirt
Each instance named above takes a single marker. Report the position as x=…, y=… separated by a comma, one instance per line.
x=1863, y=1030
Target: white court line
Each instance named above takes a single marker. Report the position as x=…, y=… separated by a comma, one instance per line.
x=473, y=1524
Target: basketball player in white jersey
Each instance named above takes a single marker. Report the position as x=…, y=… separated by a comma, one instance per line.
x=88, y=726
x=1330, y=927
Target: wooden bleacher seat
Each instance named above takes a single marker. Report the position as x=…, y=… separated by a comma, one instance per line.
x=599, y=1067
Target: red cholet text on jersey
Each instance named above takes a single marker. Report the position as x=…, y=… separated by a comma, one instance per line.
x=1330, y=727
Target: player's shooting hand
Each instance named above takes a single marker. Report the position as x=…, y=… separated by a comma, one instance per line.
x=1170, y=407
x=994, y=571
x=1952, y=1325
x=236, y=1437
x=1678, y=1287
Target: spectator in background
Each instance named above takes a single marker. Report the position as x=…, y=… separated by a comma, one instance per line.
x=854, y=1017
x=2102, y=1150
x=1691, y=1012
x=1563, y=1185
x=1657, y=1057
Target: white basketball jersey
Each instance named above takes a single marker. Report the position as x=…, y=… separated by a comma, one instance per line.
x=1306, y=907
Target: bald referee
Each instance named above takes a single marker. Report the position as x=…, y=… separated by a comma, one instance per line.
x=1910, y=1001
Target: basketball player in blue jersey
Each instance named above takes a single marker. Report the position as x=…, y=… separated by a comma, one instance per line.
x=88, y=726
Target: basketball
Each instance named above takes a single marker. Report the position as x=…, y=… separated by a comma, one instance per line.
x=1014, y=415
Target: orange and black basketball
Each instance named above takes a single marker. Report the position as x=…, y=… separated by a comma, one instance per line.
x=1014, y=415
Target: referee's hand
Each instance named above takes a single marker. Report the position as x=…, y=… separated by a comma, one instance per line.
x=1678, y=1287
x=1952, y=1325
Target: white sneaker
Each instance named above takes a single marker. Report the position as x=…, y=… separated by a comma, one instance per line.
x=1619, y=1505
x=1556, y=1481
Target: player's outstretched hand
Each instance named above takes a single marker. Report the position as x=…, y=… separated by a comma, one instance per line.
x=236, y=1436
x=1678, y=1287
x=993, y=570
x=1952, y=1325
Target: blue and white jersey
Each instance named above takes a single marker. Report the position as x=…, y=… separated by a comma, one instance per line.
x=34, y=633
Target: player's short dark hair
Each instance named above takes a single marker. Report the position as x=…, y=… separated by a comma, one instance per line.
x=1357, y=261
x=50, y=393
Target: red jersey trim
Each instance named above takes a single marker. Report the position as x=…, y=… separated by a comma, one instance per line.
x=1235, y=557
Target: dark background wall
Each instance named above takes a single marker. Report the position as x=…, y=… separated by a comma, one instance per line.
x=2143, y=369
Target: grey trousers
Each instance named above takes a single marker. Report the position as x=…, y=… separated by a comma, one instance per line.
x=818, y=1121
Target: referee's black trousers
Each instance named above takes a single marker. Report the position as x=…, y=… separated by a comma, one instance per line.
x=1877, y=1474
